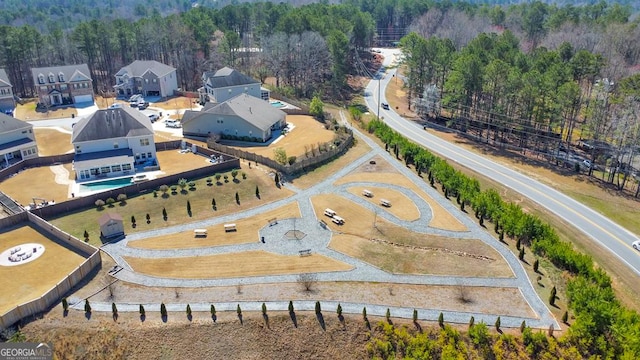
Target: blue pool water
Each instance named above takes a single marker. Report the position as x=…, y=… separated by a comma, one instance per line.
x=105, y=184
x=277, y=104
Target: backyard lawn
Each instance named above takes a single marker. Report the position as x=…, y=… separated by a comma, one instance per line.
x=52, y=141
x=200, y=200
x=307, y=134
x=27, y=112
x=31, y=280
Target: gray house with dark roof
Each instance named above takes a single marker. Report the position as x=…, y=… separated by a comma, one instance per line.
x=149, y=78
x=112, y=142
x=226, y=83
x=243, y=117
x=7, y=101
x=63, y=85
x=17, y=141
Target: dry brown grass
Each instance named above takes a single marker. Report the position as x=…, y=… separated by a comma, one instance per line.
x=35, y=182
x=401, y=206
x=200, y=200
x=316, y=175
x=431, y=256
x=28, y=112
x=308, y=132
x=397, y=97
x=173, y=162
x=29, y=281
x=249, y=263
x=52, y=141
x=382, y=172
x=174, y=103
x=247, y=232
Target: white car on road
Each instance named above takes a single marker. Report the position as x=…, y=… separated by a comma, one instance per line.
x=636, y=245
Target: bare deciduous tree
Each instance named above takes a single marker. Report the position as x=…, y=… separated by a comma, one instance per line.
x=307, y=280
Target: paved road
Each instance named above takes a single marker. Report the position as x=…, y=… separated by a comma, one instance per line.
x=602, y=230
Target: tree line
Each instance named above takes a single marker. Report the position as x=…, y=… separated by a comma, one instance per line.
x=505, y=88
x=602, y=326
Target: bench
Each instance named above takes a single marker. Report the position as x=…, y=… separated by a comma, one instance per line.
x=306, y=252
x=230, y=227
x=200, y=232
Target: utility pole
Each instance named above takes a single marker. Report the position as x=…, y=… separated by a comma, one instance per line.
x=379, y=78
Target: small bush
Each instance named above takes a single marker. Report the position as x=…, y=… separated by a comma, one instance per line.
x=122, y=198
x=99, y=203
x=87, y=306
x=141, y=310
x=188, y=310
x=163, y=310
x=110, y=202
x=65, y=304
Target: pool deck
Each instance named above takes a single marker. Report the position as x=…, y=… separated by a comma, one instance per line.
x=76, y=190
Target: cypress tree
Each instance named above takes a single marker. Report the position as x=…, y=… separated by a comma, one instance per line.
x=441, y=320
x=536, y=263
x=339, y=310
x=318, y=309
x=565, y=317
x=290, y=307
x=188, y=310
x=163, y=309
x=523, y=326
x=471, y=322
x=264, y=309
x=87, y=307
x=141, y=310
x=498, y=324
x=415, y=315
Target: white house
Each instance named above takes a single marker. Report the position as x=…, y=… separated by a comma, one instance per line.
x=243, y=117
x=17, y=140
x=226, y=83
x=149, y=78
x=113, y=142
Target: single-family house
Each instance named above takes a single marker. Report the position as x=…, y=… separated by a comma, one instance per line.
x=7, y=100
x=63, y=85
x=113, y=142
x=226, y=83
x=149, y=78
x=243, y=117
x=17, y=140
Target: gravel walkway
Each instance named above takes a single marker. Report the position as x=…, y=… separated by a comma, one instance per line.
x=316, y=239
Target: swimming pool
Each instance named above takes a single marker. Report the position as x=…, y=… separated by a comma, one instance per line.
x=105, y=184
x=277, y=104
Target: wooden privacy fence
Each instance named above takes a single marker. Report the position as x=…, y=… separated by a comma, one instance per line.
x=297, y=167
x=59, y=290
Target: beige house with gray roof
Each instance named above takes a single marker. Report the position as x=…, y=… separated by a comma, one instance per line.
x=113, y=142
x=243, y=117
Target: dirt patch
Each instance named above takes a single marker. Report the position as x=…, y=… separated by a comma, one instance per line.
x=176, y=103
x=316, y=175
x=248, y=232
x=254, y=263
x=31, y=280
x=35, y=183
x=430, y=256
x=52, y=141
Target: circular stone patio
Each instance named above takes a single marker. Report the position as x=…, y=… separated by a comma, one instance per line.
x=21, y=254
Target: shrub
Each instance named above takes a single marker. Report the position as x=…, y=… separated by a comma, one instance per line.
x=110, y=202
x=65, y=304
x=441, y=320
x=536, y=263
x=217, y=176
x=339, y=310
x=291, y=160
x=415, y=315
x=264, y=309
x=213, y=310
x=141, y=310
x=498, y=324
x=244, y=175
x=234, y=174
x=99, y=203
x=192, y=185
x=87, y=306
x=318, y=309
x=290, y=306
x=164, y=189
x=188, y=310
x=86, y=235
x=209, y=181
x=114, y=309
x=148, y=218
x=174, y=188
x=226, y=178
x=277, y=179
x=163, y=310
x=122, y=198
x=238, y=310
x=182, y=183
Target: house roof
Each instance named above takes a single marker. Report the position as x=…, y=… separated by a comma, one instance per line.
x=15, y=143
x=140, y=67
x=8, y=123
x=105, y=218
x=111, y=124
x=256, y=111
x=4, y=79
x=103, y=158
x=72, y=73
x=227, y=77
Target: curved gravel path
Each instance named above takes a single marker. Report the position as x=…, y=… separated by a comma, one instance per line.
x=317, y=239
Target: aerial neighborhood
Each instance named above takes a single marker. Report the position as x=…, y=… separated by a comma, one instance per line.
x=336, y=180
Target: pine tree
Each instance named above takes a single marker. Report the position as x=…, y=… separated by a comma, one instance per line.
x=114, y=309
x=498, y=324
x=415, y=315
x=565, y=317
x=518, y=244
x=277, y=180
x=441, y=320
x=141, y=310
x=163, y=310
x=552, y=297
x=87, y=307
x=291, y=307
x=523, y=326
x=213, y=310
x=237, y=198
x=471, y=322
x=164, y=213
x=388, y=315
x=257, y=192
x=536, y=263
x=364, y=313
x=213, y=202
x=318, y=309
x=188, y=207
x=521, y=254
x=148, y=218
x=133, y=220
x=238, y=310
x=86, y=235
x=339, y=310
x=264, y=309
x=65, y=304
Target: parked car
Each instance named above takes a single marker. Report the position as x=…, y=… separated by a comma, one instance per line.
x=172, y=123
x=142, y=104
x=587, y=164
x=636, y=245
x=153, y=117
x=135, y=99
